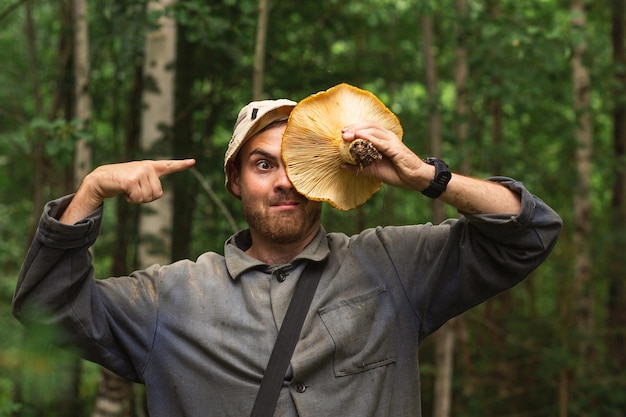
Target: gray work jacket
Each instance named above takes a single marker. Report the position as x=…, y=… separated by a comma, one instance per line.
x=199, y=334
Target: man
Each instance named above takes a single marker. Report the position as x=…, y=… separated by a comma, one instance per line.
x=199, y=334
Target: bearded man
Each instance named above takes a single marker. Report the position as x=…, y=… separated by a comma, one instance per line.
x=199, y=333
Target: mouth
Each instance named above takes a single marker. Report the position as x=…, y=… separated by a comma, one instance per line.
x=285, y=205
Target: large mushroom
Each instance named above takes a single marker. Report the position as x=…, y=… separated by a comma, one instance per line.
x=313, y=149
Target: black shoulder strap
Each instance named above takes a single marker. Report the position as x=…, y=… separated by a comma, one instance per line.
x=288, y=336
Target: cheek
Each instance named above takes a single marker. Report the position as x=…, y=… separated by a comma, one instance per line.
x=255, y=186
x=252, y=193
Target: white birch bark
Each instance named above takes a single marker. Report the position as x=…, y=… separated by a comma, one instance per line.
x=157, y=118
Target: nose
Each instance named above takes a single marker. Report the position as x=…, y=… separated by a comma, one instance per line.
x=282, y=180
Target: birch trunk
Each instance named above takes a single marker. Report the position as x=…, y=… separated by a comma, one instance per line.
x=155, y=225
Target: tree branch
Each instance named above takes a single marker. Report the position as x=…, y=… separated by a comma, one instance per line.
x=207, y=187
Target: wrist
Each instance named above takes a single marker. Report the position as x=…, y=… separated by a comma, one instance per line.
x=85, y=201
x=425, y=175
x=439, y=181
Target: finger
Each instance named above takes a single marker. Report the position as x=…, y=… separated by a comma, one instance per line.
x=144, y=188
x=367, y=124
x=378, y=137
x=136, y=194
x=153, y=189
x=170, y=166
x=365, y=130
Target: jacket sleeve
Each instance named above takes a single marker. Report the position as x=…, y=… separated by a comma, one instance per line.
x=447, y=269
x=56, y=287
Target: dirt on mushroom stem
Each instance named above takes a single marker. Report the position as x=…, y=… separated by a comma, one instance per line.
x=364, y=153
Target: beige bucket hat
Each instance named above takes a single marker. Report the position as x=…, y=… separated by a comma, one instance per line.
x=253, y=118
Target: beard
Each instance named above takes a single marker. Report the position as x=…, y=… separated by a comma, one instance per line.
x=283, y=228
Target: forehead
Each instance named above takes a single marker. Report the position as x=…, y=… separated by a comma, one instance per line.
x=269, y=140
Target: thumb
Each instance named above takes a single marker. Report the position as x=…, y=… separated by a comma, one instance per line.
x=170, y=166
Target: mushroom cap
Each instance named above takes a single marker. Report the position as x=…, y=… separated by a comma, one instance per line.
x=313, y=149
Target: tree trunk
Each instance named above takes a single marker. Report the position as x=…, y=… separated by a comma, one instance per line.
x=82, y=112
x=113, y=399
x=461, y=72
x=37, y=146
x=114, y=394
x=259, y=50
x=444, y=337
x=458, y=326
x=582, y=314
x=582, y=204
x=433, y=104
x=494, y=101
x=157, y=118
x=616, y=342
x=185, y=188
x=127, y=215
x=67, y=370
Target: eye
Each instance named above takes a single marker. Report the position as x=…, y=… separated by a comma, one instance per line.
x=263, y=165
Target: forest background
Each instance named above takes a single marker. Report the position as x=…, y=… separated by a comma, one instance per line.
x=528, y=89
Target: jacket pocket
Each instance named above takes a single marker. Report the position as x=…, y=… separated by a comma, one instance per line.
x=363, y=330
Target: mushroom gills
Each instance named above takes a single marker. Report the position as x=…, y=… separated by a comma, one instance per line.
x=313, y=148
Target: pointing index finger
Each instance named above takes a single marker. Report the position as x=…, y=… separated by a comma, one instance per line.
x=170, y=166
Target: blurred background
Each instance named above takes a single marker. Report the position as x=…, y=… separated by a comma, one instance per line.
x=533, y=90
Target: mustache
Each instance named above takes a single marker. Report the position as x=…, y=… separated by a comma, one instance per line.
x=283, y=196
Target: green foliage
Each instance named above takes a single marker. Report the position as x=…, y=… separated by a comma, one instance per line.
x=519, y=65
x=7, y=405
x=59, y=138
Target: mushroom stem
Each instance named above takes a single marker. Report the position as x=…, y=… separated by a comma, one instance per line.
x=360, y=152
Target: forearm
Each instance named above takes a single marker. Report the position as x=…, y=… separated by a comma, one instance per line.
x=475, y=196
x=53, y=265
x=83, y=203
x=467, y=194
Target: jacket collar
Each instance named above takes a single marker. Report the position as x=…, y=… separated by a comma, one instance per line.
x=238, y=262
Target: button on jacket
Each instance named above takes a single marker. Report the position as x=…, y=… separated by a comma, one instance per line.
x=199, y=334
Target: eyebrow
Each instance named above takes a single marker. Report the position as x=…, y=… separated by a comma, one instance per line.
x=263, y=153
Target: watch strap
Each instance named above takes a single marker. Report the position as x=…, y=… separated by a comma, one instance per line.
x=442, y=177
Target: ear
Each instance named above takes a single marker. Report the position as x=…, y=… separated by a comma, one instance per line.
x=233, y=176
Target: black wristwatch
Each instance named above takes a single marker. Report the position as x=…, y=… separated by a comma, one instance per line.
x=442, y=177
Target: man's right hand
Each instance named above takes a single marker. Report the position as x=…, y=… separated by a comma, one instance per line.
x=139, y=181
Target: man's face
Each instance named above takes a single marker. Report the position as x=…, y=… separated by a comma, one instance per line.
x=273, y=208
